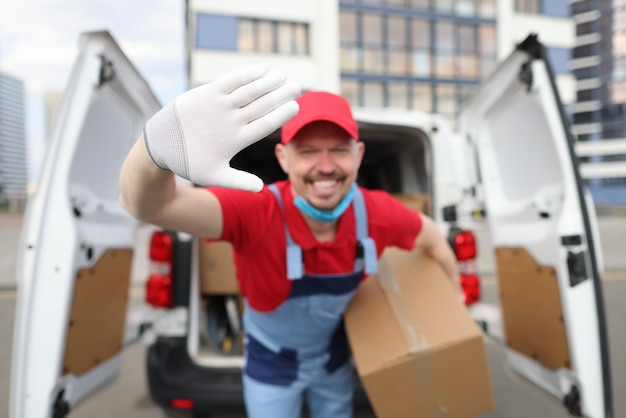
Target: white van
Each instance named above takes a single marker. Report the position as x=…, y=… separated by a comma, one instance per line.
x=72, y=315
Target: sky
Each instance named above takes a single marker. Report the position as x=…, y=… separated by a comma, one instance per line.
x=39, y=42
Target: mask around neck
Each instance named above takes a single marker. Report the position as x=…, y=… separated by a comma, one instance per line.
x=325, y=215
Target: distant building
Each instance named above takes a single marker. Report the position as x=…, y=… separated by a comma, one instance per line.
x=599, y=64
x=13, y=161
x=417, y=54
x=429, y=55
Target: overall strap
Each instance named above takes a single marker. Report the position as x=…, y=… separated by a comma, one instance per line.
x=366, y=245
x=295, y=266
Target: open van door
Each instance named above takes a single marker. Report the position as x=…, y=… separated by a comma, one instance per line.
x=77, y=243
x=543, y=235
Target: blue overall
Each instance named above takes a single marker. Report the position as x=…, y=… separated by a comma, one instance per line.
x=301, y=346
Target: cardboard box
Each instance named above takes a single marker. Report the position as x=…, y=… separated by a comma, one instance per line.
x=418, y=202
x=217, y=268
x=417, y=350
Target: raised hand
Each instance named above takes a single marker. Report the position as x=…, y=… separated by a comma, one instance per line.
x=196, y=135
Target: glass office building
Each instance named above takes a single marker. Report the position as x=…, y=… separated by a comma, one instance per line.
x=426, y=55
x=599, y=63
x=600, y=68
x=415, y=54
x=13, y=170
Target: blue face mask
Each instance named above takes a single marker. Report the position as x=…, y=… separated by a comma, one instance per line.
x=325, y=215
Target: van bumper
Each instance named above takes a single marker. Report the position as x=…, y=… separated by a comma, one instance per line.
x=172, y=374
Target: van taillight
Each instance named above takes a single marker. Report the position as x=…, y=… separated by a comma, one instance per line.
x=159, y=291
x=470, y=285
x=464, y=245
x=161, y=247
x=159, y=288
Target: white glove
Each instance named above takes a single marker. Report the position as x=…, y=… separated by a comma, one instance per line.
x=196, y=135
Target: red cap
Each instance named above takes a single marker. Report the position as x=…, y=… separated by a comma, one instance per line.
x=320, y=106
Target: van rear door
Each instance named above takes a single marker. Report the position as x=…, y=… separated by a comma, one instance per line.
x=542, y=231
x=77, y=243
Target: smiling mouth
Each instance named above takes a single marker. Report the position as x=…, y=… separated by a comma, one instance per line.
x=324, y=184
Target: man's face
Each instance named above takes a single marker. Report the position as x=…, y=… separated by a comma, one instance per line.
x=322, y=163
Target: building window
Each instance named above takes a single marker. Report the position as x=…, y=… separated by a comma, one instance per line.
x=418, y=4
x=579, y=7
x=465, y=92
x=446, y=100
x=444, y=49
x=349, y=58
x=553, y=8
x=487, y=49
x=286, y=39
x=420, y=48
x=422, y=97
x=372, y=36
x=246, y=35
x=443, y=6
x=264, y=37
x=349, y=50
x=527, y=6
x=300, y=38
x=559, y=59
x=216, y=32
x=486, y=8
x=398, y=95
x=587, y=95
x=586, y=117
x=424, y=61
x=465, y=8
x=350, y=91
x=587, y=28
x=397, y=56
x=586, y=72
x=587, y=50
x=251, y=35
x=271, y=36
x=467, y=57
x=556, y=8
x=373, y=94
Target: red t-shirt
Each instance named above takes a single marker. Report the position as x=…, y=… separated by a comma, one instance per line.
x=253, y=223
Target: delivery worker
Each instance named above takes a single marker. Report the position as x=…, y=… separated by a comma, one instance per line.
x=301, y=246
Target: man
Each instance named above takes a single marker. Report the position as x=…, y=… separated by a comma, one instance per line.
x=301, y=246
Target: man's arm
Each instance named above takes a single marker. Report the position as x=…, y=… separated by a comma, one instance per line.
x=195, y=137
x=151, y=194
x=432, y=241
